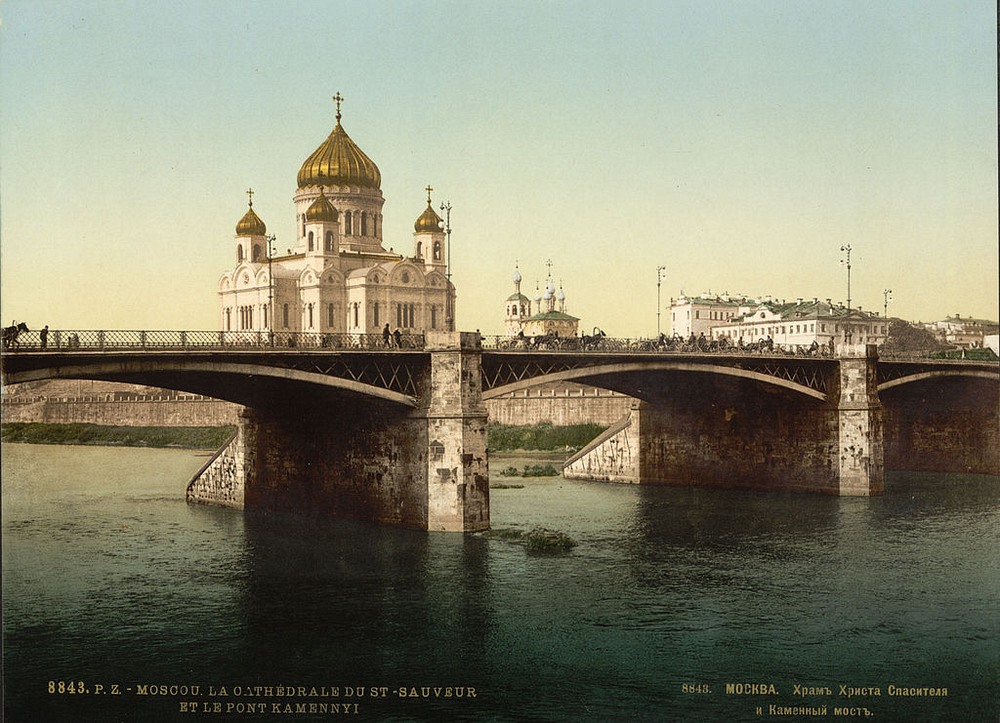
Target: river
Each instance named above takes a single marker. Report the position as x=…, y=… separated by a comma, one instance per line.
x=123, y=603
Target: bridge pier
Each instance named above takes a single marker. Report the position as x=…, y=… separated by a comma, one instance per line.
x=750, y=436
x=860, y=455
x=422, y=467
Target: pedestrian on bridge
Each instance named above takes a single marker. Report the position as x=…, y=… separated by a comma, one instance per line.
x=398, y=336
x=385, y=335
x=44, y=335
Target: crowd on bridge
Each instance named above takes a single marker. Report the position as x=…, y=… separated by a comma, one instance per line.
x=701, y=344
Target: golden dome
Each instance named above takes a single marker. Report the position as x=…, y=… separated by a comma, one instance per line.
x=428, y=221
x=339, y=162
x=250, y=224
x=321, y=210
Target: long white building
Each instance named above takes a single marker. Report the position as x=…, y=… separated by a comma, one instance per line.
x=803, y=323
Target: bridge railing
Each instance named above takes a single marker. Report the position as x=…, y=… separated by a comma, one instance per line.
x=665, y=345
x=163, y=340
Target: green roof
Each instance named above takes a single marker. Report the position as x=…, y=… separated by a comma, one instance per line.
x=552, y=316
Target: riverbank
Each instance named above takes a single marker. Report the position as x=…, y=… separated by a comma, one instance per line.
x=536, y=440
x=115, y=436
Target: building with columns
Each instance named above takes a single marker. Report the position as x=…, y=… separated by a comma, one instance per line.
x=338, y=276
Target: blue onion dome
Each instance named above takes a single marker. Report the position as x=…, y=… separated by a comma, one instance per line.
x=321, y=210
x=250, y=224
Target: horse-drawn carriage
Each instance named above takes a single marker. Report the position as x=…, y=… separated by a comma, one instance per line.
x=12, y=333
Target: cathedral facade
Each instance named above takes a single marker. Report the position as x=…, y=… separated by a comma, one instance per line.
x=338, y=277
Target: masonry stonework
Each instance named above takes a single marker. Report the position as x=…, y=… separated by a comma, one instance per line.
x=752, y=436
x=422, y=467
x=221, y=480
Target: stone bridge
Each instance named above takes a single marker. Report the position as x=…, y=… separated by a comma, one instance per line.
x=348, y=425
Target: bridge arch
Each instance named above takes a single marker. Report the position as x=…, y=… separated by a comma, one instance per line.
x=616, y=368
x=152, y=371
x=937, y=374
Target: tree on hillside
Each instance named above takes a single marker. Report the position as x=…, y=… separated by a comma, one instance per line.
x=905, y=337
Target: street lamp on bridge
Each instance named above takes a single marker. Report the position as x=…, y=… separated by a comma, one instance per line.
x=449, y=320
x=887, y=294
x=847, y=248
x=270, y=288
x=659, y=278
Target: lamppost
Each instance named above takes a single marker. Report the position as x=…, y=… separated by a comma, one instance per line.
x=270, y=289
x=659, y=278
x=449, y=321
x=885, y=305
x=847, y=248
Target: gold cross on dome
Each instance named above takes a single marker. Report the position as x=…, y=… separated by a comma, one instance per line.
x=249, y=193
x=338, y=99
x=428, y=189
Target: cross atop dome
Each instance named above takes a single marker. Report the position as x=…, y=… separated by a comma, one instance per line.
x=428, y=189
x=338, y=99
x=249, y=193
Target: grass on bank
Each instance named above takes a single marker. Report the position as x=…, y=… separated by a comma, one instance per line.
x=530, y=470
x=500, y=437
x=543, y=436
x=104, y=435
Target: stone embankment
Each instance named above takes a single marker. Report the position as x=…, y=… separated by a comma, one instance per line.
x=105, y=403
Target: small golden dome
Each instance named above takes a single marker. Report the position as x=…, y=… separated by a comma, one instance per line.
x=250, y=224
x=321, y=210
x=428, y=221
x=339, y=162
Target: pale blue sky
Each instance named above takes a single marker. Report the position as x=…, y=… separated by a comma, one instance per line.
x=739, y=144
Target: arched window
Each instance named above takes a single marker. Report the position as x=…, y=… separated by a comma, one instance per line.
x=329, y=315
x=310, y=307
x=375, y=318
x=229, y=319
x=437, y=250
x=284, y=315
x=256, y=252
x=239, y=253
x=355, y=315
x=329, y=240
x=310, y=240
x=420, y=249
x=348, y=225
x=364, y=223
x=374, y=224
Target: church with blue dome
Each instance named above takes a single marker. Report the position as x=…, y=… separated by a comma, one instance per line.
x=538, y=317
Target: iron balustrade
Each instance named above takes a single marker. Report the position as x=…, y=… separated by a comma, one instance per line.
x=168, y=340
x=664, y=345
x=163, y=340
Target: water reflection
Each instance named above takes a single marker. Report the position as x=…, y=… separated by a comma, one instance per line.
x=108, y=571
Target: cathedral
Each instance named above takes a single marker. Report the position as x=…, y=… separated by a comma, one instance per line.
x=338, y=278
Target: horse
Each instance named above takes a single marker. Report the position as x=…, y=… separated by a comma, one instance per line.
x=10, y=334
x=545, y=341
x=593, y=341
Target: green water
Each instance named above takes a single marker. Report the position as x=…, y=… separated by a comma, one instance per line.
x=109, y=578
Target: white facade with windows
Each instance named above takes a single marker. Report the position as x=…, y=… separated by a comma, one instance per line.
x=338, y=277
x=802, y=324
x=697, y=315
